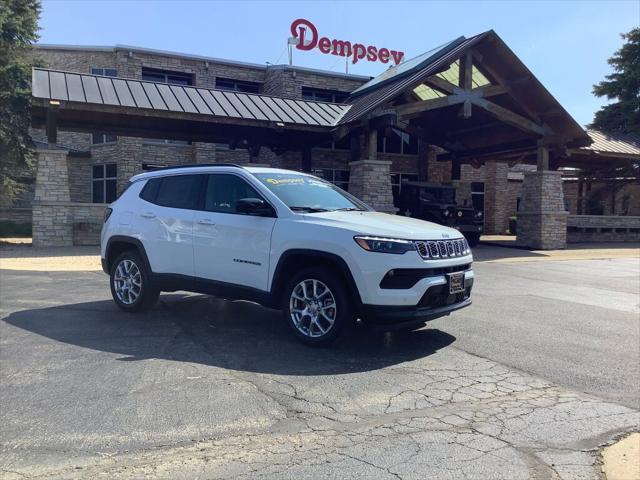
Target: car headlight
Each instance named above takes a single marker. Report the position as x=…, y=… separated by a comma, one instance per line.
x=384, y=245
x=478, y=214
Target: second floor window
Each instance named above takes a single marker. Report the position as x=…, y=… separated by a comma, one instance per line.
x=100, y=138
x=237, y=85
x=322, y=95
x=109, y=72
x=166, y=76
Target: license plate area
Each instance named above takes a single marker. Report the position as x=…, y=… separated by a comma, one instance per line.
x=456, y=282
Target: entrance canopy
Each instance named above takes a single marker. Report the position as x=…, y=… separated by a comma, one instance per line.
x=89, y=103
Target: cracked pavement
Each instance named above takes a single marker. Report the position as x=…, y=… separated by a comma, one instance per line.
x=206, y=388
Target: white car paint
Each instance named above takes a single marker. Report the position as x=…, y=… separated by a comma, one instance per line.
x=244, y=250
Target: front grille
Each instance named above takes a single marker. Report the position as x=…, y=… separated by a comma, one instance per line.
x=442, y=248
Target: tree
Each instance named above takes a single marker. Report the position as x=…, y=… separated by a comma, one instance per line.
x=622, y=85
x=18, y=31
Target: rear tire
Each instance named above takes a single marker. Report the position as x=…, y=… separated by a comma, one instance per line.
x=317, y=306
x=131, y=286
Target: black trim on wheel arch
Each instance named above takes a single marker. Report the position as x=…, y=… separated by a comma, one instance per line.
x=276, y=282
x=106, y=266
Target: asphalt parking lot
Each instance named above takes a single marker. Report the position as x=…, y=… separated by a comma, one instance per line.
x=529, y=382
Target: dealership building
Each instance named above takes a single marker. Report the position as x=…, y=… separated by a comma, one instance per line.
x=468, y=114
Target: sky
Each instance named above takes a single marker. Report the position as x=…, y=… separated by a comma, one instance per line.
x=566, y=44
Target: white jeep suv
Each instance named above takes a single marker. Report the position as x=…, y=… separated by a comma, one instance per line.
x=286, y=240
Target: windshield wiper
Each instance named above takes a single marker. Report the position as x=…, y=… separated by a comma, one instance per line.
x=349, y=209
x=308, y=209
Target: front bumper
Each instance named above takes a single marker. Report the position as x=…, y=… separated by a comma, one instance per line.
x=435, y=303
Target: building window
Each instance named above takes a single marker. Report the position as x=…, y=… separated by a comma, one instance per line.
x=103, y=185
x=339, y=178
x=398, y=142
x=107, y=72
x=100, y=138
x=237, y=85
x=397, y=179
x=167, y=76
x=322, y=95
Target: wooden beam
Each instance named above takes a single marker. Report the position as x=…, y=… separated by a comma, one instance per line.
x=465, y=77
x=542, y=157
x=52, y=126
x=373, y=144
x=307, y=159
x=511, y=118
x=466, y=71
x=441, y=84
x=415, y=108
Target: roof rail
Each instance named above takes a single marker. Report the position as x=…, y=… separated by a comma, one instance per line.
x=193, y=165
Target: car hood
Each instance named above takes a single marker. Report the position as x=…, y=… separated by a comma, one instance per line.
x=384, y=224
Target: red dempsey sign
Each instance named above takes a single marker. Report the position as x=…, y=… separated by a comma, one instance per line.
x=308, y=39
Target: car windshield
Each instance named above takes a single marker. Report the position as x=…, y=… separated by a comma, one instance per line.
x=309, y=194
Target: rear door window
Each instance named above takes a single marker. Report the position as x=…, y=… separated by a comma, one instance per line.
x=176, y=191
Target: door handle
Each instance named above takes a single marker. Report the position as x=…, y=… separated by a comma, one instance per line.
x=148, y=215
x=206, y=221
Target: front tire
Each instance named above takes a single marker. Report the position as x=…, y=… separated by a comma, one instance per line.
x=317, y=306
x=130, y=281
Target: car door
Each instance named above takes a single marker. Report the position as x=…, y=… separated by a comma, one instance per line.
x=166, y=222
x=231, y=247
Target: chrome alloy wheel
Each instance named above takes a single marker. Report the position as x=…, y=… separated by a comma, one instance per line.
x=127, y=282
x=312, y=307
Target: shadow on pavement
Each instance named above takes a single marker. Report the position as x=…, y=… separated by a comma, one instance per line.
x=233, y=335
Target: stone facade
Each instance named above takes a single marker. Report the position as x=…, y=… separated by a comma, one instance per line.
x=61, y=224
x=52, y=176
x=496, y=217
x=601, y=228
x=542, y=218
x=369, y=181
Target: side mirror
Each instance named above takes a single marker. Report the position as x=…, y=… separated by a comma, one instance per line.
x=254, y=206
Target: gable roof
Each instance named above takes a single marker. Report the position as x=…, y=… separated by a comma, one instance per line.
x=527, y=90
x=385, y=87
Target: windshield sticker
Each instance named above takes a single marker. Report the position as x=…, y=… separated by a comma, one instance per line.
x=284, y=181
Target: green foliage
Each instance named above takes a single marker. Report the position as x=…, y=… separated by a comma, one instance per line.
x=18, y=31
x=622, y=85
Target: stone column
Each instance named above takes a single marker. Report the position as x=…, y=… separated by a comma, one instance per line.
x=542, y=219
x=370, y=181
x=52, y=222
x=52, y=176
x=496, y=196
